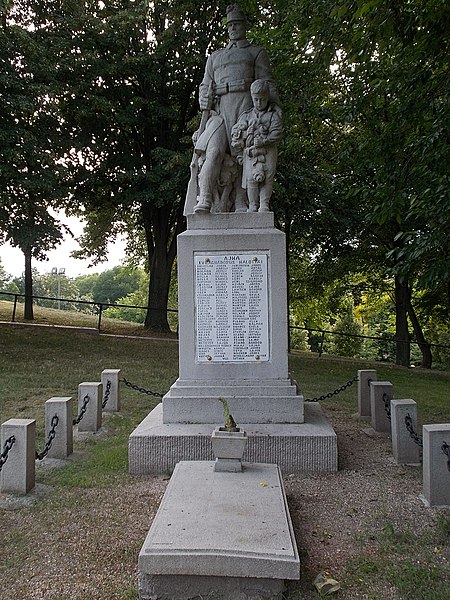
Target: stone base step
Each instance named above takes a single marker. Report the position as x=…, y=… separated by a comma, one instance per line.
x=311, y=447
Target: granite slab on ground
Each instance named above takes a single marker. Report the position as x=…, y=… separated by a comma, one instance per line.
x=225, y=534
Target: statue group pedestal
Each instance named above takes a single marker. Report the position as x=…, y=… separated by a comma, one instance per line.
x=233, y=345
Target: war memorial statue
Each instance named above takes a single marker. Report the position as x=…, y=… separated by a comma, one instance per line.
x=232, y=286
x=223, y=176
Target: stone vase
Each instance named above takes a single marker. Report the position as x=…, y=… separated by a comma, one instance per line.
x=228, y=448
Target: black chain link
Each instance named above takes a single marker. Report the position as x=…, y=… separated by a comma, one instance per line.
x=387, y=405
x=51, y=436
x=446, y=450
x=133, y=386
x=335, y=393
x=107, y=393
x=6, y=448
x=415, y=436
x=82, y=410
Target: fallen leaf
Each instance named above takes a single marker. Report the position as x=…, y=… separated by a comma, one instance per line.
x=325, y=584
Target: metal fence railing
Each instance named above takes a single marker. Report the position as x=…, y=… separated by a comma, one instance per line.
x=67, y=303
x=320, y=334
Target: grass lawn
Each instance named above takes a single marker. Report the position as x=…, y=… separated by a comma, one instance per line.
x=39, y=363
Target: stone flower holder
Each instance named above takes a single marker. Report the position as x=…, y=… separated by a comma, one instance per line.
x=228, y=448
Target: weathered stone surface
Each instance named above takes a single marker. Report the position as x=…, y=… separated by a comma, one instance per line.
x=221, y=530
x=195, y=587
x=62, y=445
x=364, y=379
x=18, y=474
x=311, y=447
x=220, y=170
x=436, y=474
x=92, y=418
x=404, y=449
x=110, y=380
x=379, y=419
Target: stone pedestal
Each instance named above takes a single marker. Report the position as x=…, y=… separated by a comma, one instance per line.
x=404, y=449
x=92, y=418
x=233, y=345
x=232, y=323
x=62, y=445
x=111, y=386
x=364, y=379
x=436, y=468
x=18, y=474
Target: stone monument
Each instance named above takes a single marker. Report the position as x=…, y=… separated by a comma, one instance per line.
x=233, y=323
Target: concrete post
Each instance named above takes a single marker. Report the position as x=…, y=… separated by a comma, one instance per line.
x=436, y=473
x=18, y=473
x=404, y=448
x=92, y=419
x=62, y=445
x=110, y=381
x=364, y=378
x=379, y=418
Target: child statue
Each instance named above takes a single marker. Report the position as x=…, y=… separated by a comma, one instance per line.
x=255, y=138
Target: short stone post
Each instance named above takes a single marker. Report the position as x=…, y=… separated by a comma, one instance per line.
x=111, y=389
x=92, y=418
x=379, y=390
x=18, y=475
x=364, y=379
x=62, y=444
x=404, y=448
x=436, y=468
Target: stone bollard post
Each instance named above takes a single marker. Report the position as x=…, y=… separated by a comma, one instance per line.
x=18, y=475
x=111, y=388
x=404, y=448
x=364, y=379
x=92, y=419
x=62, y=445
x=436, y=470
x=379, y=418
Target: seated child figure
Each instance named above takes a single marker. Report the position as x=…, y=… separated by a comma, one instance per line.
x=255, y=137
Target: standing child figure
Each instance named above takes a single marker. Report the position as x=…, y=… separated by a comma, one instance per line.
x=255, y=138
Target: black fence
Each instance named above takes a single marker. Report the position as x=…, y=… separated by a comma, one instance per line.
x=67, y=303
x=316, y=337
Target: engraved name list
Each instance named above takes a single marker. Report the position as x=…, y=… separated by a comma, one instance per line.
x=231, y=307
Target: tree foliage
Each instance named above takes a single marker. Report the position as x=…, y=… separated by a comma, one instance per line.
x=131, y=71
x=368, y=181
x=30, y=182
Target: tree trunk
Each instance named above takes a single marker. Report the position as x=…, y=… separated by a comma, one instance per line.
x=158, y=294
x=160, y=237
x=28, y=309
x=425, y=348
x=402, y=348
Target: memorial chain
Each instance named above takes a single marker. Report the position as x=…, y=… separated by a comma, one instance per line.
x=82, y=410
x=335, y=392
x=107, y=393
x=415, y=436
x=51, y=436
x=6, y=448
x=140, y=389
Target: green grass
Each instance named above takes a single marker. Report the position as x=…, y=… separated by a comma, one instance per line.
x=411, y=578
x=67, y=318
x=36, y=364
x=317, y=376
x=39, y=363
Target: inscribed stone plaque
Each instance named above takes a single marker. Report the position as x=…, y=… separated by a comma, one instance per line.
x=231, y=307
